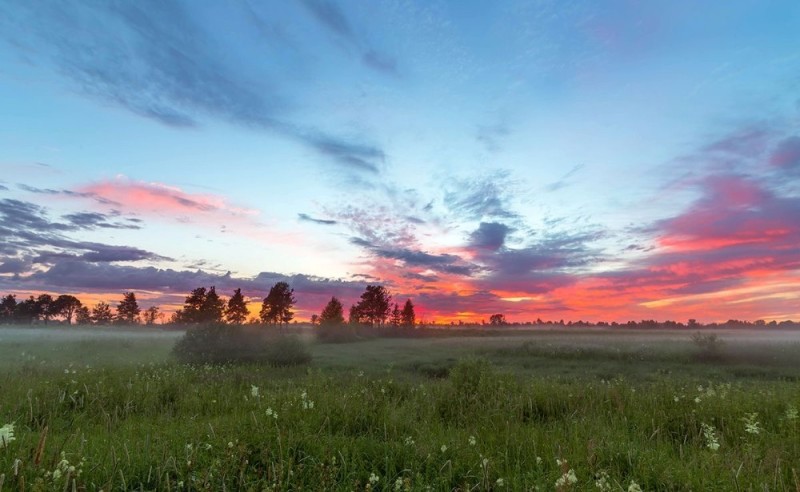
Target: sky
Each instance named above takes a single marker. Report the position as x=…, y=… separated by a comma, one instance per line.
x=577, y=160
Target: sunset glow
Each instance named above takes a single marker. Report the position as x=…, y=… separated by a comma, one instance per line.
x=550, y=160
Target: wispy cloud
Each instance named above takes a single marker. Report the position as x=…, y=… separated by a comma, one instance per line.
x=307, y=218
x=131, y=55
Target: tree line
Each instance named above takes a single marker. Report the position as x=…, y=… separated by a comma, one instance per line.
x=205, y=305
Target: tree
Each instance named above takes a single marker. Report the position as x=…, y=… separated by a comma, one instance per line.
x=407, y=316
x=355, y=316
x=128, y=309
x=45, y=307
x=150, y=315
x=374, y=306
x=314, y=319
x=333, y=314
x=28, y=310
x=394, y=320
x=101, y=314
x=192, y=307
x=236, y=311
x=66, y=306
x=83, y=316
x=8, y=309
x=276, y=308
x=497, y=320
x=213, y=308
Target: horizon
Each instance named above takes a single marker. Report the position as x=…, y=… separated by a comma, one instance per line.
x=548, y=160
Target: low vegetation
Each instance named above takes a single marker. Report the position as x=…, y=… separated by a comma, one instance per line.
x=397, y=414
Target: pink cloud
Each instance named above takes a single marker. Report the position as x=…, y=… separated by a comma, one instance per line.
x=166, y=201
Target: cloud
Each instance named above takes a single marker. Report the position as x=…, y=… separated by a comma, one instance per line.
x=786, y=155
x=163, y=200
x=3, y=187
x=92, y=220
x=131, y=55
x=446, y=263
x=14, y=265
x=481, y=198
x=564, y=181
x=330, y=16
x=307, y=218
x=29, y=233
x=489, y=236
x=491, y=135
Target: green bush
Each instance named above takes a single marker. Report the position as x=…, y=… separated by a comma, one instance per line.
x=288, y=350
x=220, y=344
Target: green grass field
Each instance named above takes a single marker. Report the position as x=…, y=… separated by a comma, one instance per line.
x=110, y=410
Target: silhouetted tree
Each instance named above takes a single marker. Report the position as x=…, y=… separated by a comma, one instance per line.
x=236, y=311
x=66, y=305
x=333, y=314
x=101, y=314
x=394, y=319
x=374, y=306
x=28, y=310
x=83, y=316
x=128, y=309
x=276, y=308
x=8, y=309
x=355, y=316
x=150, y=315
x=213, y=309
x=497, y=320
x=314, y=319
x=45, y=307
x=192, y=311
x=407, y=316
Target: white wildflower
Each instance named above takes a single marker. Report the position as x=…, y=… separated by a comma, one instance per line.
x=6, y=435
x=710, y=436
x=751, y=423
x=500, y=482
x=444, y=448
x=602, y=482
x=791, y=413
x=398, y=484
x=254, y=391
x=538, y=460
x=409, y=441
x=230, y=444
x=472, y=440
x=567, y=479
x=697, y=399
x=634, y=487
x=373, y=478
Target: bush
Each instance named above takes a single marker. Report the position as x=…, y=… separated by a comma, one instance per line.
x=220, y=344
x=288, y=350
x=709, y=345
x=331, y=333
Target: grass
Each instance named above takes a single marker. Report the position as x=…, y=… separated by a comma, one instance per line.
x=448, y=413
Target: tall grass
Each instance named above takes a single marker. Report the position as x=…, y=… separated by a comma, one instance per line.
x=255, y=427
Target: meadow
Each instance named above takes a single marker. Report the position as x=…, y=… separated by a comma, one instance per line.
x=111, y=409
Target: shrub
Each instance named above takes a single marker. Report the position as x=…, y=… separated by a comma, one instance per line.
x=220, y=344
x=288, y=350
x=336, y=333
x=709, y=345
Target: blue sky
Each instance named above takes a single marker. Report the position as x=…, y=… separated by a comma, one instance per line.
x=518, y=156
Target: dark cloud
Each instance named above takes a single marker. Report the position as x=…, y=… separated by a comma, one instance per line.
x=489, y=236
x=308, y=218
x=14, y=265
x=330, y=16
x=28, y=232
x=93, y=220
x=414, y=258
x=69, y=193
x=380, y=62
x=786, y=155
x=3, y=187
x=130, y=54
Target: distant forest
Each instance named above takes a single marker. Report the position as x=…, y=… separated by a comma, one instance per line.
x=375, y=308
